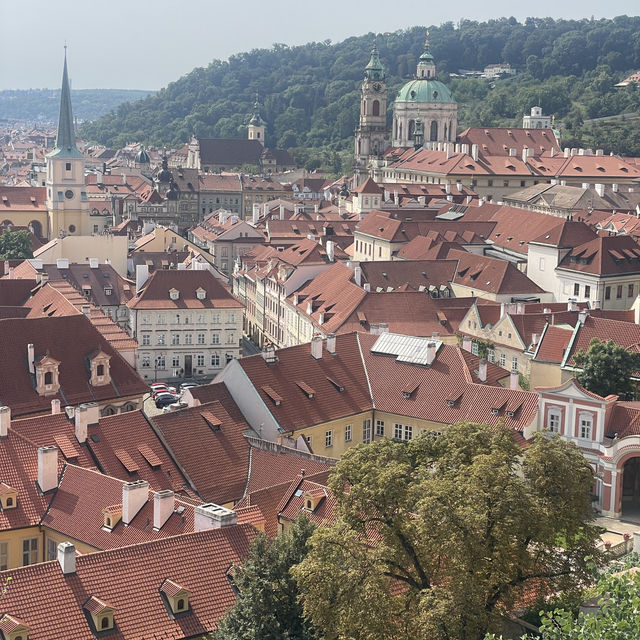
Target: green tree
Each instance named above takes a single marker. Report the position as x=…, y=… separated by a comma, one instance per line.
x=437, y=537
x=15, y=245
x=607, y=368
x=267, y=605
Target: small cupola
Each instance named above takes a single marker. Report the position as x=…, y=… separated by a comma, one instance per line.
x=99, y=366
x=8, y=496
x=47, y=376
x=99, y=614
x=111, y=516
x=175, y=596
x=13, y=629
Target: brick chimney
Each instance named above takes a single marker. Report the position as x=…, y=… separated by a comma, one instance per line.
x=67, y=558
x=163, y=505
x=213, y=516
x=47, y=468
x=5, y=421
x=134, y=497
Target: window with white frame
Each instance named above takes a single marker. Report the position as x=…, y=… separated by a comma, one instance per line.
x=328, y=438
x=491, y=355
x=215, y=338
x=200, y=360
x=554, y=419
x=161, y=362
x=366, y=431
x=408, y=432
x=347, y=433
x=201, y=338
x=161, y=318
x=145, y=361
x=474, y=348
x=161, y=338
x=215, y=318
x=146, y=339
x=397, y=431
x=380, y=427
x=188, y=338
x=175, y=361
x=514, y=363
x=503, y=360
x=585, y=426
x=52, y=549
x=146, y=319
x=175, y=338
x=29, y=551
x=230, y=338
x=215, y=360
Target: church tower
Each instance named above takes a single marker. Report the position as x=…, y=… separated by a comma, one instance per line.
x=257, y=125
x=67, y=203
x=371, y=137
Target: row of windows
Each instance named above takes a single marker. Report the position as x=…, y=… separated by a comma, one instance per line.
x=161, y=361
x=188, y=339
x=585, y=423
x=619, y=290
x=200, y=318
x=400, y=432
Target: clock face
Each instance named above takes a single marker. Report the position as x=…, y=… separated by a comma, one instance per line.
x=68, y=194
x=377, y=86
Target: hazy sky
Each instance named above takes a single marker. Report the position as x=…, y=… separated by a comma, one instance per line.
x=138, y=44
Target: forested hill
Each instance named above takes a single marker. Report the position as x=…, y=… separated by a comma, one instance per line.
x=310, y=93
x=42, y=105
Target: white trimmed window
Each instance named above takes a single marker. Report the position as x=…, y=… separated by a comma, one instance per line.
x=188, y=338
x=161, y=362
x=175, y=361
x=215, y=338
x=585, y=426
x=145, y=362
x=201, y=338
x=175, y=338
x=474, y=348
x=397, y=431
x=215, y=360
x=503, y=360
x=380, y=427
x=328, y=438
x=347, y=433
x=29, y=551
x=408, y=432
x=146, y=339
x=200, y=360
x=366, y=431
x=554, y=420
x=491, y=355
x=161, y=338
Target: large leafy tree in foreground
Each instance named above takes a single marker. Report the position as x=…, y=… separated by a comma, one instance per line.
x=607, y=368
x=438, y=537
x=15, y=245
x=267, y=605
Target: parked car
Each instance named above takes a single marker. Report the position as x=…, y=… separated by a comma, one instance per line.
x=163, y=389
x=155, y=386
x=188, y=385
x=164, y=399
x=174, y=407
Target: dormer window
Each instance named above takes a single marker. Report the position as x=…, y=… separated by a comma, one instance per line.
x=8, y=496
x=100, y=615
x=311, y=499
x=112, y=515
x=99, y=366
x=13, y=629
x=176, y=597
x=174, y=294
x=201, y=294
x=47, y=383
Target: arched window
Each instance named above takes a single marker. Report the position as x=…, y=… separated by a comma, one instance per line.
x=445, y=132
x=308, y=504
x=412, y=129
x=108, y=411
x=48, y=377
x=180, y=604
x=433, y=133
x=100, y=370
x=400, y=131
x=9, y=502
x=36, y=228
x=376, y=107
x=108, y=522
x=104, y=623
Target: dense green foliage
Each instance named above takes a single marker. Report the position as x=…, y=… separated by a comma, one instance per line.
x=42, y=105
x=310, y=93
x=436, y=537
x=267, y=605
x=607, y=369
x=15, y=245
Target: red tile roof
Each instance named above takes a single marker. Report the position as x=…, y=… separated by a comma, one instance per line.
x=129, y=579
x=22, y=199
x=609, y=255
x=408, y=274
x=70, y=340
x=497, y=141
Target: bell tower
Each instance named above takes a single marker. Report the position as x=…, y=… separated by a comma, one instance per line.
x=67, y=203
x=257, y=125
x=371, y=136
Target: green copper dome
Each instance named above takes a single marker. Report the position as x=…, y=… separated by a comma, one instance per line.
x=424, y=90
x=374, y=70
x=142, y=157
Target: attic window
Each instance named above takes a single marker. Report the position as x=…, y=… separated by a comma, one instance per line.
x=175, y=597
x=409, y=389
x=174, y=294
x=306, y=389
x=336, y=384
x=148, y=454
x=100, y=614
x=214, y=423
x=201, y=294
x=273, y=395
x=127, y=461
x=8, y=496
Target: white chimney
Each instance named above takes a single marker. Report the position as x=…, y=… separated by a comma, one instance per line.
x=316, y=347
x=474, y=152
x=55, y=406
x=582, y=316
x=5, y=421
x=572, y=305
x=67, y=558
x=466, y=344
x=256, y=212
x=329, y=248
x=281, y=212
x=367, y=286
x=514, y=380
x=93, y=263
x=31, y=356
x=357, y=275
x=459, y=186
x=134, y=497
x=81, y=419
x=163, y=505
x=600, y=189
x=142, y=275
x=86, y=309
x=47, y=468
x=614, y=187
x=431, y=353
x=447, y=188
x=482, y=370
x=213, y=516
x=62, y=263
x=331, y=343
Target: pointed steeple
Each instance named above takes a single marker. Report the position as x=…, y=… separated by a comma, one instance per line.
x=374, y=70
x=66, y=139
x=426, y=64
x=256, y=120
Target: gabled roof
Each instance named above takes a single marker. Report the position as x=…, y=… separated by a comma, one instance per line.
x=498, y=140
x=369, y=187
x=608, y=255
x=567, y=233
x=408, y=274
x=129, y=579
x=22, y=199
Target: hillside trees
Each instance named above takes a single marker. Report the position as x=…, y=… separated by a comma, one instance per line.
x=438, y=537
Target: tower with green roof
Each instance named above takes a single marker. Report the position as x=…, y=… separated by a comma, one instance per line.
x=372, y=134
x=257, y=125
x=427, y=99
x=67, y=203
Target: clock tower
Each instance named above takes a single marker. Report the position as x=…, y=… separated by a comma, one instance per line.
x=372, y=135
x=67, y=204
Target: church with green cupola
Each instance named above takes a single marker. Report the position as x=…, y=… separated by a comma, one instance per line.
x=424, y=111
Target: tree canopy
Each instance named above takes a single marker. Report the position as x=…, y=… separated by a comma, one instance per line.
x=310, y=94
x=15, y=245
x=267, y=604
x=607, y=368
x=439, y=536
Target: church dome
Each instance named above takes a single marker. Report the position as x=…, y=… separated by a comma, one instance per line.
x=142, y=157
x=164, y=175
x=425, y=90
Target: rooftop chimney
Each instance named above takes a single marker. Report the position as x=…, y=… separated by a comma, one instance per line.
x=316, y=347
x=431, y=352
x=482, y=370
x=55, y=406
x=93, y=263
x=31, y=356
x=47, y=468
x=582, y=316
x=256, y=212
x=163, y=504
x=5, y=421
x=600, y=189
x=62, y=263
x=86, y=309
x=474, y=152
x=357, y=275
x=572, y=305
x=331, y=343
x=134, y=496
x=281, y=212
x=67, y=558
x=514, y=380
x=329, y=248
x=142, y=275
x=213, y=516
x=466, y=344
